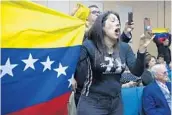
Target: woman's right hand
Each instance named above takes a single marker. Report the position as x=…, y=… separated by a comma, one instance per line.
x=74, y=85
x=129, y=84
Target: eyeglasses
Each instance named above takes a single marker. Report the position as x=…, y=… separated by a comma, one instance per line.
x=95, y=12
x=165, y=73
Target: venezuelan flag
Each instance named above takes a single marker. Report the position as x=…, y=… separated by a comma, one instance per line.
x=40, y=48
x=161, y=34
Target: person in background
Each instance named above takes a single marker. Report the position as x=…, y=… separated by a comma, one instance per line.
x=156, y=98
x=163, y=48
x=106, y=58
x=79, y=80
x=160, y=59
x=94, y=13
x=147, y=76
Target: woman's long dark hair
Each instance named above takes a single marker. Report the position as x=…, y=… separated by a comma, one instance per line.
x=96, y=33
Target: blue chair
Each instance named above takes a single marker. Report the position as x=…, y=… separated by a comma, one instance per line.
x=139, y=95
x=132, y=100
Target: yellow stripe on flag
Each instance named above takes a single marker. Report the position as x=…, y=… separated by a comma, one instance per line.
x=28, y=25
x=160, y=30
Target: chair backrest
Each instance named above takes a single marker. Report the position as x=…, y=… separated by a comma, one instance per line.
x=132, y=100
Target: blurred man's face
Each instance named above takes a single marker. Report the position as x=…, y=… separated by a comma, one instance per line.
x=166, y=42
x=162, y=74
x=94, y=12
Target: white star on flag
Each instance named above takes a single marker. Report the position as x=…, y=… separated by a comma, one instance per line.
x=29, y=62
x=47, y=64
x=61, y=70
x=7, y=68
x=71, y=80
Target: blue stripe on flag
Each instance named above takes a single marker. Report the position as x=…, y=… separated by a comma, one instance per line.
x=28, y=85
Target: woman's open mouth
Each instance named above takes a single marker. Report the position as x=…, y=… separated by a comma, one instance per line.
x=117, y=31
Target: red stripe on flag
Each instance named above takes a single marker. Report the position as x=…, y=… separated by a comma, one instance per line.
x=56, y=106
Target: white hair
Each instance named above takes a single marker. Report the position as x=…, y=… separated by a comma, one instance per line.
x=156, y=68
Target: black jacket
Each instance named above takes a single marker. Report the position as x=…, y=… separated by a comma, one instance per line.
x=125, y=38
x=95, y=67
x=80, y=74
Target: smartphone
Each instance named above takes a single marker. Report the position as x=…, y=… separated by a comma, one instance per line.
x=130, y=18
x=147, y=25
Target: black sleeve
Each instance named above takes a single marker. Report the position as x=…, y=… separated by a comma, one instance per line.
x=169, y=40
x=83, y=54
x=125, y=38
x=146, y=77
x=82, y=67
x=166, y=52
x=168, y=56
x=135, y=65
x=161, y=49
